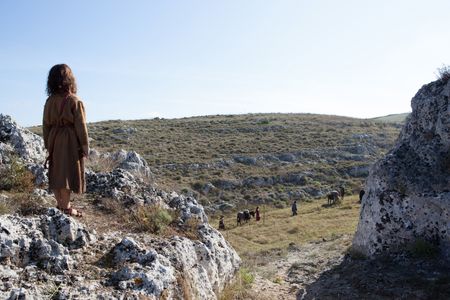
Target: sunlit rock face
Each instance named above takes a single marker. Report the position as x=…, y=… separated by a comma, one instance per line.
x=50, y=249
x=408, y=191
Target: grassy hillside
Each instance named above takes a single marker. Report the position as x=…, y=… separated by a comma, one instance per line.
x=315, y=221
x=394, y=118
x=230, y=161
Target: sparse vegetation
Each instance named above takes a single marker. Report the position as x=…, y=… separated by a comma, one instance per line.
x=187, y=153
x=355, y=254
x=22, y=203
x=240, y=289
x=422, y=248
x=154, y=219
x=443, y=73
x=15, y=177
x=313, y=222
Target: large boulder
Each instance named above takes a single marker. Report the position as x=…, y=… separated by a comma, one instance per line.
x=408, y=191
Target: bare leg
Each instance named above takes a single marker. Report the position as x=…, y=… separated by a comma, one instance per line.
x=65, y=198
x=57, y=194
x=65, y=204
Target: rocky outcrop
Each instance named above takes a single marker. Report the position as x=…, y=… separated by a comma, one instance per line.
x=408, y=191
x=40, y=253
x=131, y=161
x=43, y=241
x=36, y=251
x=28, y=146
x=178, y=267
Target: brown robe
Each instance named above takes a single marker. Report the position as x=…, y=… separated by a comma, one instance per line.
x=65, y=133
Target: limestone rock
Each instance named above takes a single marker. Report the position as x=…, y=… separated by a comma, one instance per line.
x=26, y=144
x=29, y=147
x=188, y=208
x=146, y=270
x=132, y=161
x=153, y=266
x=123, y=186
x=44, y=241
x=65, y=230
x=408, y=191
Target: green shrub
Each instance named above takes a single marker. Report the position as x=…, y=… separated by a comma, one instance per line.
x=279, y=204
x=197, y=186
x=246, y=276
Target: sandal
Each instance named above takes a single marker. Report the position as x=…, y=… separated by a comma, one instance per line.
x=70, y=211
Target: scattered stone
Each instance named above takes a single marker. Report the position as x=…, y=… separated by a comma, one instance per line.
x=251, y=161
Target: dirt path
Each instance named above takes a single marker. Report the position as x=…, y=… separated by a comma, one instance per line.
x=287, y=276
x=325, y=270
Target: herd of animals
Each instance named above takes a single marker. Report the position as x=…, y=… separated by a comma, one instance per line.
x=335, y=195
x=245, y=215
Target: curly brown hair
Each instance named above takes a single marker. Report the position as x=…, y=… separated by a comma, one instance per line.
x=61, y=80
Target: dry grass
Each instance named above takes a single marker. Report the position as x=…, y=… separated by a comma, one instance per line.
x=259, y=243
x=239, y=289
x=101, y=164
x=277, y=228
x=15, y=177
x=23, y=203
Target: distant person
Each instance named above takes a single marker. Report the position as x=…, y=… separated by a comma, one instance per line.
x=65, y=137
x=294, y=208
x=361, y=195
x=342, y=192
x=221, y=223
x=257, y=216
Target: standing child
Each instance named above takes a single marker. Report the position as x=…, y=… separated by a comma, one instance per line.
x=294, y=208
x=221, y=223
x=257, y=216
x=65, y=137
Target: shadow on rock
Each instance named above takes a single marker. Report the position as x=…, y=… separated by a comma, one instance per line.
x=384, y=277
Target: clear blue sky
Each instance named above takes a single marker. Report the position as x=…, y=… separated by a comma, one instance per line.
x=142, y=59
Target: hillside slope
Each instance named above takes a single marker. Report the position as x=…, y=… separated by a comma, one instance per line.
x=394, y=118
x=233, y=160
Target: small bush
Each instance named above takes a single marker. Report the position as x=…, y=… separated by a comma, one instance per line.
x=101, y=164
x=443, y=73
x=246, y=277
x=154, y=219
x=24, y=204
x=422, y=248
x=16, y=177
x=278, y=280
x=29, y=205
x=197, y=186
x=240, y=288
x=355, y=254
x=279, y=204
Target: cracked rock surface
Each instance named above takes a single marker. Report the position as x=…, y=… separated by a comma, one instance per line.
x=408, y=191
